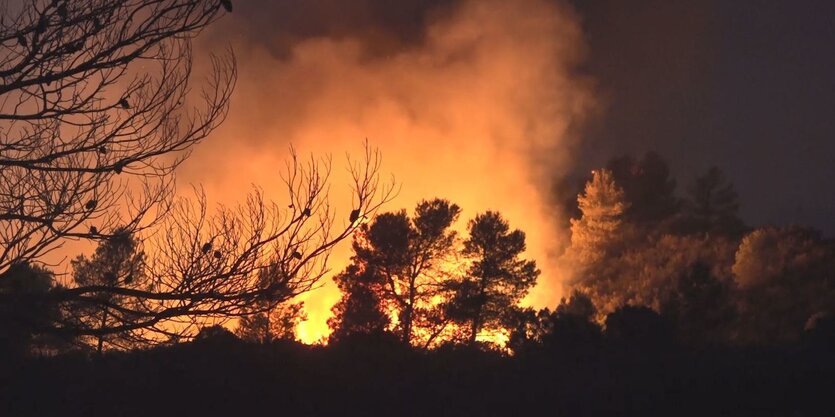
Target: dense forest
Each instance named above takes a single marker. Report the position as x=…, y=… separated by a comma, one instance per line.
x=674, y=300
x=673, y=304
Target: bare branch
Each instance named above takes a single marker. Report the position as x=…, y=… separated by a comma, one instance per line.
x=238, y=261
x=93, y=116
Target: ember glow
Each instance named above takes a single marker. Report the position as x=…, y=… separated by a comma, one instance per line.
x=480, y=112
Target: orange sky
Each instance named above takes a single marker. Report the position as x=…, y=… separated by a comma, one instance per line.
x=479, y=113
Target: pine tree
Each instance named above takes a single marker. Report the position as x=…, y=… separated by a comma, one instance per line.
x=25, y=310
x=497, y=278
x=647, y=186
x=359, y=312
x=597, y=239
x=408, y=254
x=712, y=206
x=600, y=228
x=118, y=261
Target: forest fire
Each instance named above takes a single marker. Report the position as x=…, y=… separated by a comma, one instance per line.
x=421, y=207
x=460, y=115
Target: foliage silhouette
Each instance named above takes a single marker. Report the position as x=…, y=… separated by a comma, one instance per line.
x=94, y=122
x=94, y=115
x=119, y=261
x=226, y=375
x=360, y=312
x=26, y=311
x=496, y=280
x=712, y=206
x=648, y=187
x=409, y=256
x=637, y=326
x=674, y=300
x=701, y=307
x=271, y=318
x=784, y=279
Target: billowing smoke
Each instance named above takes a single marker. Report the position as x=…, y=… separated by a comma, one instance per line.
x=474, y=101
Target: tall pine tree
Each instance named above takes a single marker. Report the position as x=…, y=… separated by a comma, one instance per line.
x=601, y=227
x=712, y=206
x=406, y=258
x=497, y=279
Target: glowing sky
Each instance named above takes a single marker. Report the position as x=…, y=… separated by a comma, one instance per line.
x=479, y=110
x=489, y=102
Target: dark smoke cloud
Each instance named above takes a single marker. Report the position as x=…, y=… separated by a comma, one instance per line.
x=385, y=26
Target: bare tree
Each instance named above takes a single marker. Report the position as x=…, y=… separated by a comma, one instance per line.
x=94, y=121
x=239, y=261
x=93, y=115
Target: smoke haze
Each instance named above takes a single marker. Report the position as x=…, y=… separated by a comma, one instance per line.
x=473, y=101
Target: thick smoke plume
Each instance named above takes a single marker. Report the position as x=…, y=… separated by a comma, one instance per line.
x=474, y=101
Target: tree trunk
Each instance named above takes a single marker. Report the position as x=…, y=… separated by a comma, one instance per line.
x=103, y=323
x=476, y=325
x=474, y=328
x=408, y=313
x=268, y=331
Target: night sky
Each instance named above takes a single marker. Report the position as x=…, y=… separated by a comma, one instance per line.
x=747, y=87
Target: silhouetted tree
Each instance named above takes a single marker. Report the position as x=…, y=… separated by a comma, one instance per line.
x=360, y=312
x=578, y=305
x=570, y=328
x=119, y=261
x=526, y=326
x=278, y=323
x=26, y=312
x=648, y=188
x=205, y=268
x=712, y=206
x=497, y=279
x=408, y=254
x=215, y=334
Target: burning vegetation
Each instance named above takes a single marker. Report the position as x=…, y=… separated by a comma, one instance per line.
x=668, y=298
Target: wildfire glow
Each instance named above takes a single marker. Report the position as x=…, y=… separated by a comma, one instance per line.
x=479, y=113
